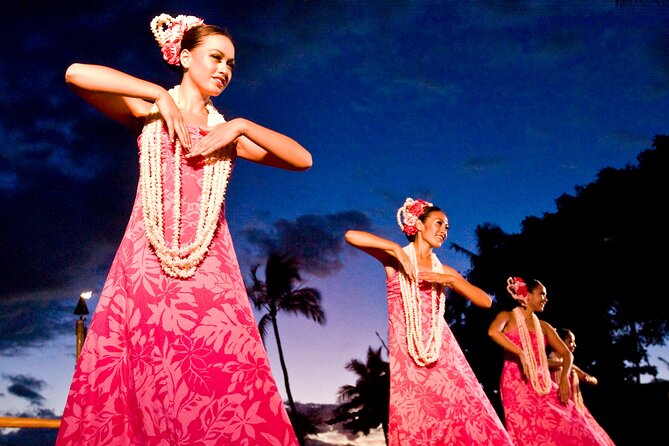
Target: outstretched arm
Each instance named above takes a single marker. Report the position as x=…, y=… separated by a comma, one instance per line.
x=255, y=143
x=583, y=376
x=454, y=280
x=389, y=253
x=125, y=98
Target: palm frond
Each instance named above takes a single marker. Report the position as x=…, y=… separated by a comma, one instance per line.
x=305, y=302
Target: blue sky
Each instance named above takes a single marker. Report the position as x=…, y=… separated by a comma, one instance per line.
x=490, y=109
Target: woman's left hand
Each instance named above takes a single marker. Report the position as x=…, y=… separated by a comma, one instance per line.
x=215, y=139
x=440, y=278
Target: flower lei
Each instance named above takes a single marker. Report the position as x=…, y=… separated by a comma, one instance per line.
x=169, y=31
x=543, y=387
x=423, y=353
x=408, y=214
x=517, y=287
x=180, y=261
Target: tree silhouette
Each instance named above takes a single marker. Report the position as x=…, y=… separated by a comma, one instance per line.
x=278, y=293
x=598, y=256
x=364, y=406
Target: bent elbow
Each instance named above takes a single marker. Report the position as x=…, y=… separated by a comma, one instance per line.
x=73, y=73
x=483, y=300
x=305, y=163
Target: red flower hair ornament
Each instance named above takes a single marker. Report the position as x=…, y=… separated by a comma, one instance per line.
x=408, y=214
x=169, y=31
x=517, y=288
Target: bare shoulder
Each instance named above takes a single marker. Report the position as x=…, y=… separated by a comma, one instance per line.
x=503, y=317
x=546, y=327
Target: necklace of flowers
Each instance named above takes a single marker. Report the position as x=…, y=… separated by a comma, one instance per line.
x=180, y=261
x=423, y=353
x=543, y=387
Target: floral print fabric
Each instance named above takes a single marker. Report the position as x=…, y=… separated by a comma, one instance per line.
x=169, y=361
x=442, y=404
x=536, y=420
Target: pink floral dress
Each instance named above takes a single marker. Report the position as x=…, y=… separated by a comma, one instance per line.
x=577, y=398
x=169, y=361
x=542, y=420
x=442, y=404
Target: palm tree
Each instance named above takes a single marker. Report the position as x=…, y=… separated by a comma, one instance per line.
x=364, y=406
x=278, y=293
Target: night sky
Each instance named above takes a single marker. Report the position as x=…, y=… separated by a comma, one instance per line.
x=491, y=110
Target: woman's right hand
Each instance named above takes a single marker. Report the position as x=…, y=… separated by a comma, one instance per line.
x=176, y=125
x=564, y=391
x=524, y=366
x=405, y=263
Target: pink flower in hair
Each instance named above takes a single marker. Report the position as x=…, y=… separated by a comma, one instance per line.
x=517, y=287
x=169, y=31
x=410, y=229
x=171, y=52
x=409, y=213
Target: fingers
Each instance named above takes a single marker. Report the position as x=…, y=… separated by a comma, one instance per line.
x=408, y=268
x=183, y=135
x=216, y=138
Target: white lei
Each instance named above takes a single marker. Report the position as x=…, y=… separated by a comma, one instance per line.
x=180, y=261
x=423, y=353
x=543, y=387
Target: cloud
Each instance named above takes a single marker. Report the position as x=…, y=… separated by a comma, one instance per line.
x=484, y=163
x=316, y=241
x=32, y=319
x=26, y=387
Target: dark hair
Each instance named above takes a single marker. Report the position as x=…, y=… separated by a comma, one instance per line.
x=563, y=332
x=532, y=284
x=427, y=210
x=194, y=36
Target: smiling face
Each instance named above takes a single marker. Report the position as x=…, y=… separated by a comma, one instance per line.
x=570, y=340
x=210, y=64
x=434, y=228
x=537, y=298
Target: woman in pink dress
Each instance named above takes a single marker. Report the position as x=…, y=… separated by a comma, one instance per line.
x=575, y=378
x=173, y=355
x=435, y=398
x=538, y=412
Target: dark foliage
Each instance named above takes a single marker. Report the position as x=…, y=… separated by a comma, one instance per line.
x=364, y=406
x=599, y=256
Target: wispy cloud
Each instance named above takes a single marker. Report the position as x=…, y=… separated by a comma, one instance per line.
x=26, y=387
x=316, y=241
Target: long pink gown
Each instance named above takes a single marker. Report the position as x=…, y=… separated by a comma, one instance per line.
x=169, y=361
x=589, y=419
x=442, y=404
x=541, y=420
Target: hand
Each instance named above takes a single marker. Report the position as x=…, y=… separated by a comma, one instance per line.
x=564, y=391
x=216, y=138
x=173, y=119
x=440, y=278
x=525, y=367
x=590, y=379
x=405, y=263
